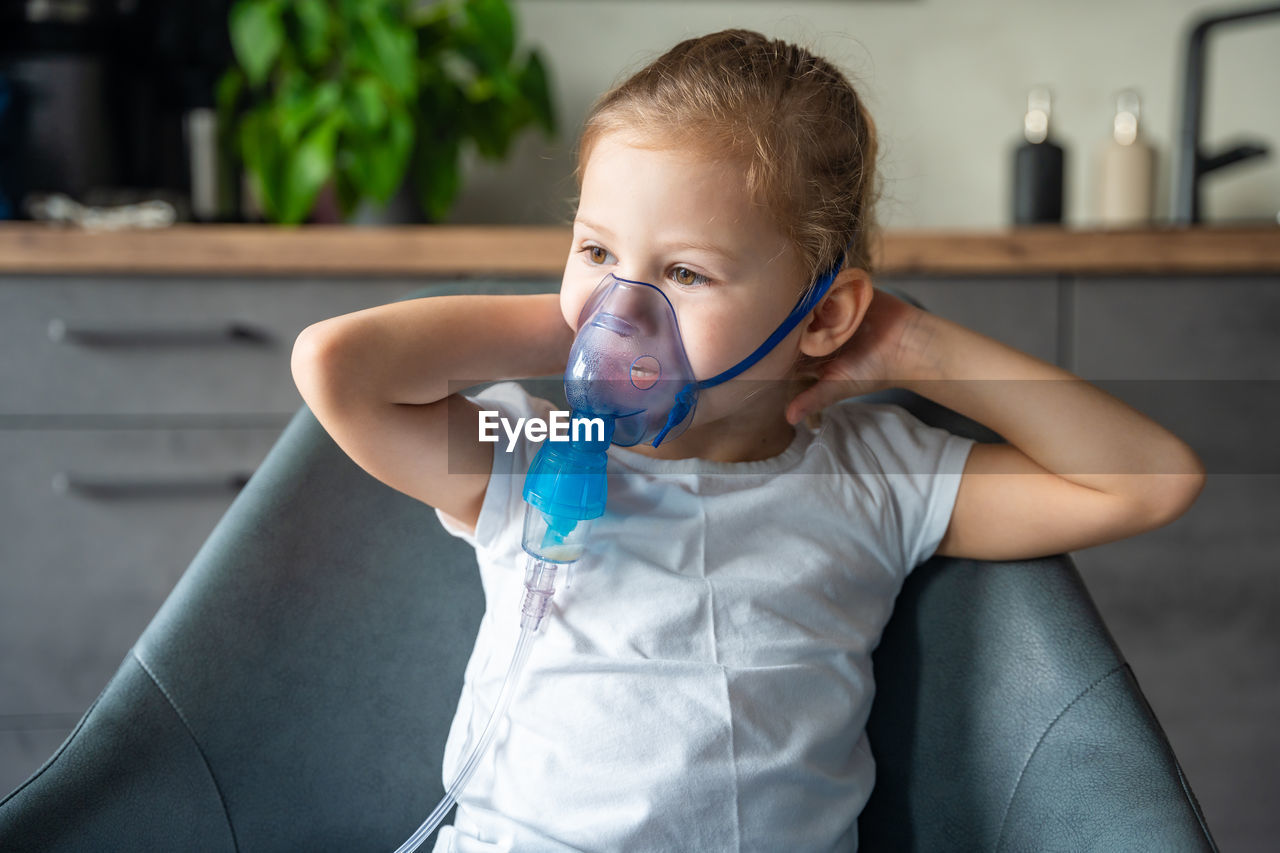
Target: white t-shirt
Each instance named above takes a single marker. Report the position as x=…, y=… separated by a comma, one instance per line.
x=705, y=681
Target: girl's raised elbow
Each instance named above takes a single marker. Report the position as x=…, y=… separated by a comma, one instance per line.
x=317, y=360
x=1179, y=487
x=307, y=359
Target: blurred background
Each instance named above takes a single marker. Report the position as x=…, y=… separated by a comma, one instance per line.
x=99, y=95
x=947, y=84
x=1034, y=159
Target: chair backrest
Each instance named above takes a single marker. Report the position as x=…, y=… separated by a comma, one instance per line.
x=295, y=691
x=1006, y=719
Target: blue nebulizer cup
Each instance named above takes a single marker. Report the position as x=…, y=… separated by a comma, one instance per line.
x=627, y=381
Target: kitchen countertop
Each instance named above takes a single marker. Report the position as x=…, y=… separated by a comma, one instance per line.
x=464, y=250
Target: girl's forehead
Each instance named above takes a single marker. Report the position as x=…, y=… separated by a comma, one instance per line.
x=680, y=184
x=634, y=155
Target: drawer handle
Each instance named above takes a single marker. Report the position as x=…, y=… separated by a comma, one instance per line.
x=230, y=332
x=146, y=487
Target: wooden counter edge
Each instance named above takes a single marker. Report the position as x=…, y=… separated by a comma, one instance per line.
x=541, y=251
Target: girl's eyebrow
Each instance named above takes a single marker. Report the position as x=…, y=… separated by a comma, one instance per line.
x=675, y=245
x=593, y=226
x=709, y=248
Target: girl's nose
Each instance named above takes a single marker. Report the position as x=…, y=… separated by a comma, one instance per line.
x=616, y=324
x=639, y=306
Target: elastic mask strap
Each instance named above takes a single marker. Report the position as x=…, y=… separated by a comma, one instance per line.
x=685, y=398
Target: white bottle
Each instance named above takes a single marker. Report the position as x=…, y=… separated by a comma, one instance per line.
x=1126, y=170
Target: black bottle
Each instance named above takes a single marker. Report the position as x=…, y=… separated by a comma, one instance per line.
x=1037, y=167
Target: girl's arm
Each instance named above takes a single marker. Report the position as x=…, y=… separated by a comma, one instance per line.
x=1080, y=468
x=378, y=380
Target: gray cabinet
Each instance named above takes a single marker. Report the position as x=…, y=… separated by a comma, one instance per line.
x=98, y=524
x=131, y=410
x=1019, y=311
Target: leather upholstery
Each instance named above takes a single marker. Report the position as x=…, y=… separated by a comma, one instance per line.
x=1006, y=719
x=295, y=690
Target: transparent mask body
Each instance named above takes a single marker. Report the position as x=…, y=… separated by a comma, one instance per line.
x=628, y=361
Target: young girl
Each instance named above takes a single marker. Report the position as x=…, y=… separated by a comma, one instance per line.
x=704, y=682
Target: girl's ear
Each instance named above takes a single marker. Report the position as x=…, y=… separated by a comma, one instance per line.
x=839, y=313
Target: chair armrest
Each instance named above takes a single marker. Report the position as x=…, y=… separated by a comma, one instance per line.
x=1103, y=777
x=1006, y=718
x=130, y=777
x=304, y=670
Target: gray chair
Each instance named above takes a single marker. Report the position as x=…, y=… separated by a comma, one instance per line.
x=295, y=690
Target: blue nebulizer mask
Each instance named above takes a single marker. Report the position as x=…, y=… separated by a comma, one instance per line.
x=628, y=360
x=628, y=368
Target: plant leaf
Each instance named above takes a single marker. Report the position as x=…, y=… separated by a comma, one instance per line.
x=399, y=146
x=229, y=88
x=348, y=193
x=227, y=94
x=313, y=30
x=535, y=85
x=257, y=35
x=307, y=170
x=437, y=177
x=492, y=29
x=492, y=133
x=375, y=164
x=392, y=49
x=300, y=109
x=260, y=148
x=368, y=105
x=434, y=26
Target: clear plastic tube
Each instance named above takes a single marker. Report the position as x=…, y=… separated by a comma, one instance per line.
x=473, y=759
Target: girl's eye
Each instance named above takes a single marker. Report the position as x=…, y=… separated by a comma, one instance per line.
x=686, y=277
x=597, y=254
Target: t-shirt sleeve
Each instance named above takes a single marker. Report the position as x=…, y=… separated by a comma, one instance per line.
x=923, y=466
x=503, y=507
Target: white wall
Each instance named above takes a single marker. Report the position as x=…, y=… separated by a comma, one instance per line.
x=947, y=84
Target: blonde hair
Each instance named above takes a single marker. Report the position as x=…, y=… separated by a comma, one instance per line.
x=804, y=137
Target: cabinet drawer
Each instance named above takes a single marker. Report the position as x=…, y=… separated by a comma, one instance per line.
x=74, y=346
x=1198, y=355
x=1021, y=312
x=97, y=527
x=1188, y=328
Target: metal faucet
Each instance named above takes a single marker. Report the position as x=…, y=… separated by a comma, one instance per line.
x=1191, y=163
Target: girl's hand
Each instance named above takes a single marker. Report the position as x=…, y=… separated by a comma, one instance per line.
x=875, y=357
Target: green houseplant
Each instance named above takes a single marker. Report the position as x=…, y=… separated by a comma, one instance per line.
x=365, y=93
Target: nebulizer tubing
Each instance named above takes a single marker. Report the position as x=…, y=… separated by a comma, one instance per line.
x=565, y=489
x=473, y=759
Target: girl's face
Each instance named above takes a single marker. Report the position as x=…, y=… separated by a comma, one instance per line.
x=685, y=224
